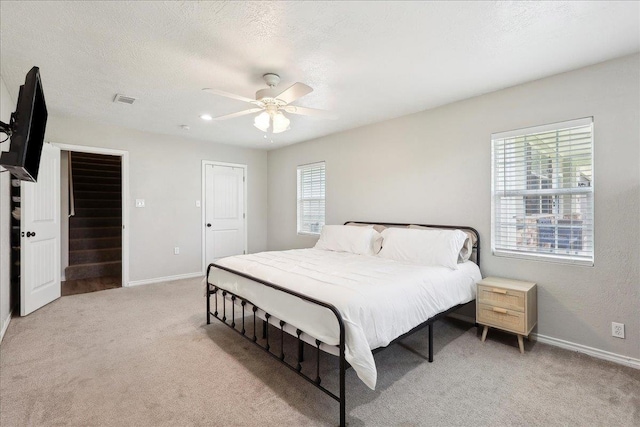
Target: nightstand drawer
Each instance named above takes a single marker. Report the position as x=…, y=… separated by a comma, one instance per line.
x=502, y=318
x=500, y=297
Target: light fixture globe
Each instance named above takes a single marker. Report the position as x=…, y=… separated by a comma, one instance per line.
x=271, y=120
x=262, y=121
x=280, y=122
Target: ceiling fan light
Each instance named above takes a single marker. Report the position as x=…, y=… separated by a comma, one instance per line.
x=280, y=122
x=262, y=121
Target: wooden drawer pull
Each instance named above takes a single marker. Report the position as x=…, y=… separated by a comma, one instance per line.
x=499, y=310
x=499, y=291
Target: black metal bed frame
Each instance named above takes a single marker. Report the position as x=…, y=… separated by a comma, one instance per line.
x=297, y=368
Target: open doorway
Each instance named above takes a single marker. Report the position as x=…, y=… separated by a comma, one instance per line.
x=93, y=219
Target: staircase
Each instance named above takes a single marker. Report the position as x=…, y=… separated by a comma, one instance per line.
x=95, y=232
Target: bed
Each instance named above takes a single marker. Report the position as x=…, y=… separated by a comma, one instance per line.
x=345, y=304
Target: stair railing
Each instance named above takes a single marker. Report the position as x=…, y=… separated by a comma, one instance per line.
x=72, y=199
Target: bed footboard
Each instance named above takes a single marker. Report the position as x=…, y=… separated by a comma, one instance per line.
x=295, y=364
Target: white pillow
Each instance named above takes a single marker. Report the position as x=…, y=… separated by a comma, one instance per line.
x=467, y=248
x=377, y=243
x=423, y=247
x=355, y=240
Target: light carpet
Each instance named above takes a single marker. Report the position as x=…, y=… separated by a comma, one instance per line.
x=144, y=356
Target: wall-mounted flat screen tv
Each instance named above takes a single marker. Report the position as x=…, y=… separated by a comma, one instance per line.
x=26, y=130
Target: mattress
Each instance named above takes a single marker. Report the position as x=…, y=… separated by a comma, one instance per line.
x=379, y=299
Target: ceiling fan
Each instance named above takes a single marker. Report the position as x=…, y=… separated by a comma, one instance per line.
x=272, y=103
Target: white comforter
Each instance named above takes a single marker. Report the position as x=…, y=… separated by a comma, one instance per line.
x=379, y=299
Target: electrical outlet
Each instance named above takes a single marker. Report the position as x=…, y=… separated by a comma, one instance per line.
x=617, y=330
x=176, y=251
x=139, y=203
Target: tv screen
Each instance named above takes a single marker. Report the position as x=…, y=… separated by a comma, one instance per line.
x=27, y=135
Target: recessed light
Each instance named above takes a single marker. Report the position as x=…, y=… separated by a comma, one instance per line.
x=206, y=117
x=185, y=127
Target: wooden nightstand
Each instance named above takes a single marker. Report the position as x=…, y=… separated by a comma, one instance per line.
x=506, y=304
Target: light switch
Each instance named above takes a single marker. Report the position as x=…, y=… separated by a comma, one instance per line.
x=139, y=203
x=197, y=203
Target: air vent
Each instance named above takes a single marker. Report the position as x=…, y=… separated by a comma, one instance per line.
x=124, y=99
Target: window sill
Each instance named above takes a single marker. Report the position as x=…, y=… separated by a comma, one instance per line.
x=308, y=233
x=556, y=259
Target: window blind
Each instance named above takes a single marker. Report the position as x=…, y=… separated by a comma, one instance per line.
x=311, y=201
x=542, y=192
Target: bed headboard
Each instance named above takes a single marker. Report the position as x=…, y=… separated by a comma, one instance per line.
x=475, y=256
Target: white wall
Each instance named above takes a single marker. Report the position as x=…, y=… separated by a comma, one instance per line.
x=435, y=167
x=6, y=108
x=166, y=172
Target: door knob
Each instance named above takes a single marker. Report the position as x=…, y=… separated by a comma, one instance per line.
x=30, y=234
x=208, y=224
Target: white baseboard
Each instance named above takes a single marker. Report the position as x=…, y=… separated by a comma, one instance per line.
x=591, y=351
x=5, y=325
x=165, y=279
x=568, y=345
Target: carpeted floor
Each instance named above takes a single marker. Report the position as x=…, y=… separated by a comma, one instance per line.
x=144, y=356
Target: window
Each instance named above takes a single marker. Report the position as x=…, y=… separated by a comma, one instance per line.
x=311, y=189
x=542, y=192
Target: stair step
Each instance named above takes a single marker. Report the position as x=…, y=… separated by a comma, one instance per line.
x=91, y=232
x=98, y=203
x=80, y=179
x=96, y=243
x=99, y=195
x=98, y=269
x=92, y=284
x=86, y=256
x=98, y=212
x=95, y=157
x=80, y=222
x=97, y=185
x=95, y=166
x=88, y=171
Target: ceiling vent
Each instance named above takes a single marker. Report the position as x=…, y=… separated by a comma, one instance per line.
x=124, y=99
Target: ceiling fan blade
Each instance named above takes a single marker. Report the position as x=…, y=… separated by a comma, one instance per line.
x=303, y=111
x=229, y=95
x=293, y=92
x=238, y=114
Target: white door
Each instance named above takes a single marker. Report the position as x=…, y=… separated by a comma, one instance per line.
x=224, y=212
x=40, y=231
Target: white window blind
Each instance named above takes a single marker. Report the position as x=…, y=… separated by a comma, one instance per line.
x=542, y=192
x=311, y=190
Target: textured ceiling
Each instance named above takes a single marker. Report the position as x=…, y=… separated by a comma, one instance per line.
x=367, y=61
